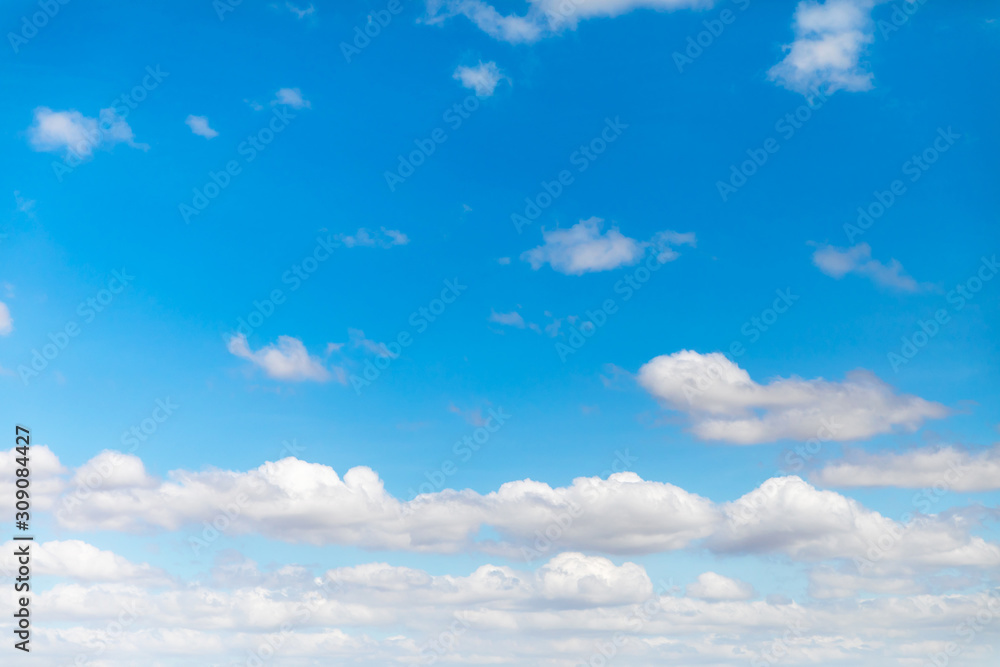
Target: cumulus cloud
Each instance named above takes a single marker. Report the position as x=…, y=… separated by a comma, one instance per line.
x=830, y=39
x=724, y=403
x=291, y=97
x=6, y=321
x=544, y=17
x=199, y=125
x=80, y=561
x=838, y=262
x=364, y=238
x=78, y=136
x=286, y=360
x=927, y=467
x=585, y=248
x=713, y=586
x=482, y=78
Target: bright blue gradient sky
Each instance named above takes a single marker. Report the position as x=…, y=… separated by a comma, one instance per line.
x=168, y=334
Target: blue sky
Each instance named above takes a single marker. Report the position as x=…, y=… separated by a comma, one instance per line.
x=231, y=159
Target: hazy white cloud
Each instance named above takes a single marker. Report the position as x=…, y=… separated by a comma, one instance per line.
x=585, y=248
x=6, y=321
x=366, y=239
x=511, y=319
x=927, y=467
x=24, y=205
x=199, y=125
x=838, y=262
x=78, y=560
x=712, y=586
x=75, y=135
x=544, y=17
x=483, y=78
x=724, y=403
x=830, y=39
x=300, y=13
x=287, y=360
x=292, y=97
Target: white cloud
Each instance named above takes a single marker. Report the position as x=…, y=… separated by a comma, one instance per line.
x=544, y=17
x=288, y=360
x=511, y=319
x=483, y=78
x=300, y=13
x=838, y=262
x=712, y=586
x=76, y=135
x=84, y=562
x=24, y=205
x=6, y=321
x=359, y=340
x=724, y=403
x=366, y=239
x=830, y=39
x=583, y=248
x=292, y=97
x=928, y=467
x=199, y=125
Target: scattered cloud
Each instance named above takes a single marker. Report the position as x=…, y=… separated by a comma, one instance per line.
x=292, y=97
x=24, y=205
x=830, y=38
x=360, y=341
x=511, y=319
x=838, y=262
x=503, y=261
x=300, y=13
x=199, y=125
x=483, y=78
x=287, y=360
x=75, y=135
x=584, y=248
x=712, y=586
x=544, y=17
x=366, y=239
x=724, y=403
x=927, y=467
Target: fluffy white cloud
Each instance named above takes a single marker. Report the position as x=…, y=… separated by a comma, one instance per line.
x=287, y=360
x=584, y=248
x=366, y=239
x=544, y=17
x=713, y=586
x=199, y=125
x=928, y=467
x=47, y=476
x=511, y=319
x=830, y=38
x=292, y=97
x=483, y=78
x=6, y=321
x=724, y=403
x=838, y=262
x=76, y=135
x=787, y=515
x=83, y=562
x=560, y=614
